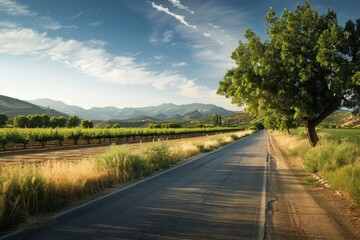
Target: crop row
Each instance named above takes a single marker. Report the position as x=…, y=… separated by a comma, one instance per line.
x=43, y=136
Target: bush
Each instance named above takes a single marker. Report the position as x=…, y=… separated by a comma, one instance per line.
x=158, y=155
x=121, y=165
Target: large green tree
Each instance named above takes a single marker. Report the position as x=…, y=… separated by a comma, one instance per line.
x=307, y=68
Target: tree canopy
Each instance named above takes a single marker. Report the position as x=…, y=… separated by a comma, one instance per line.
x=86, y=124
x=307, y=68
x=3, y=119
x=73, y=121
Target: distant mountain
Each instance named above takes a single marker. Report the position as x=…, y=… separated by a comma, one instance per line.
x=164, y=111
x=193, y=115
x=13, y=107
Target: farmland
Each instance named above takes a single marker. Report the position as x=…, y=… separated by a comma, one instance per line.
x=17, y=139
x=29, y=190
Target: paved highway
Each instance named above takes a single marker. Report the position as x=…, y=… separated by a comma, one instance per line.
x=217, y=196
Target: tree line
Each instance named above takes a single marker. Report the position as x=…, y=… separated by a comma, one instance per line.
x=44, y=121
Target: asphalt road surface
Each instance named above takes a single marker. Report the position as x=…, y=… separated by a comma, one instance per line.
x=218, y=196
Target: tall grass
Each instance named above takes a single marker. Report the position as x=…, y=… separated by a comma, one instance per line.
x=337, y=158
x=28, y=190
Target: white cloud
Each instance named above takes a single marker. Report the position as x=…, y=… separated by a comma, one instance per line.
x=95, y=24
x=167, y=36
x=153, y=39
x=212, y=44
x=11, y=7
x=88, y=57
x=8, y=24
x=76, y=16
x=189, y=88
x=179, y=64
x=180, y=18
x=51, y=24
x=158, y=57
x=229, y=37
x=214, y=26
x=178, y=4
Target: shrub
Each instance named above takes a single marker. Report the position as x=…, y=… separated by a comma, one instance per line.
x=158, y=155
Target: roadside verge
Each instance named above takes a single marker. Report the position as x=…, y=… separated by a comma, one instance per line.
x=297, y=210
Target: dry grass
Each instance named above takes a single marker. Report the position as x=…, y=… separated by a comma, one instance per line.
x=27, y=190
x=336, y=158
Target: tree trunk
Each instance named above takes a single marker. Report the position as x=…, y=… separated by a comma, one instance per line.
x=311, y=132
x=288, y=131
x=310, y=124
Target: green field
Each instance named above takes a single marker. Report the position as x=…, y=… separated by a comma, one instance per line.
x=336, y=157
x=350, y=135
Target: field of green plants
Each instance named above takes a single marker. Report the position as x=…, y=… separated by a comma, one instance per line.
x=44, y=136
x=28, y=190
x=337, y=158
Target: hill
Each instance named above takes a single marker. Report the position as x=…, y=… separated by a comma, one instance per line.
x=13, y=107
x=342, y=119
x=164, y=111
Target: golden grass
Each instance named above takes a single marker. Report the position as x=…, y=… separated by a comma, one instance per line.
x=338, y=161
x=27, y=190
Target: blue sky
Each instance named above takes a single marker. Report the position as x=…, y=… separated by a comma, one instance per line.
x=129, y=53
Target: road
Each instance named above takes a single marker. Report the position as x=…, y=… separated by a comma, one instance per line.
x=220, y=195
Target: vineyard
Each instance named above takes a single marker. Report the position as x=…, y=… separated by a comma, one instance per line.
x=16, y=138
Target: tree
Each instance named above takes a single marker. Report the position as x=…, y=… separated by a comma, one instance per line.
x=216, y=120
x=3, y=119
x=116, y=125
x=306, y=69
x=35, y=121
x=46, y=120
x=170, y=125
x=20, y=121
x=73, y=121
x=58, y=122
x=86, y=124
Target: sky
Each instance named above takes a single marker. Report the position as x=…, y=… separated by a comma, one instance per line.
x=130, y=53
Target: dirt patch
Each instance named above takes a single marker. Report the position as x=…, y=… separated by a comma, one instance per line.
x=299, y=210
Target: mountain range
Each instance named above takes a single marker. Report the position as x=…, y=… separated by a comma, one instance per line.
x=166, y=111
x=12, y=107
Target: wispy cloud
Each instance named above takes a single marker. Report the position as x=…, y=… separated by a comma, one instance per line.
x=214, y=26
x=50, y=24
x=11, y=7
x=213, y=43
x=76, y=16
x=8, y=24
x=95, y=24
x=180, y=18
x=179, y=64
x=89, y=57
x=179, y=5
x=158, y=57
x=165, y=37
